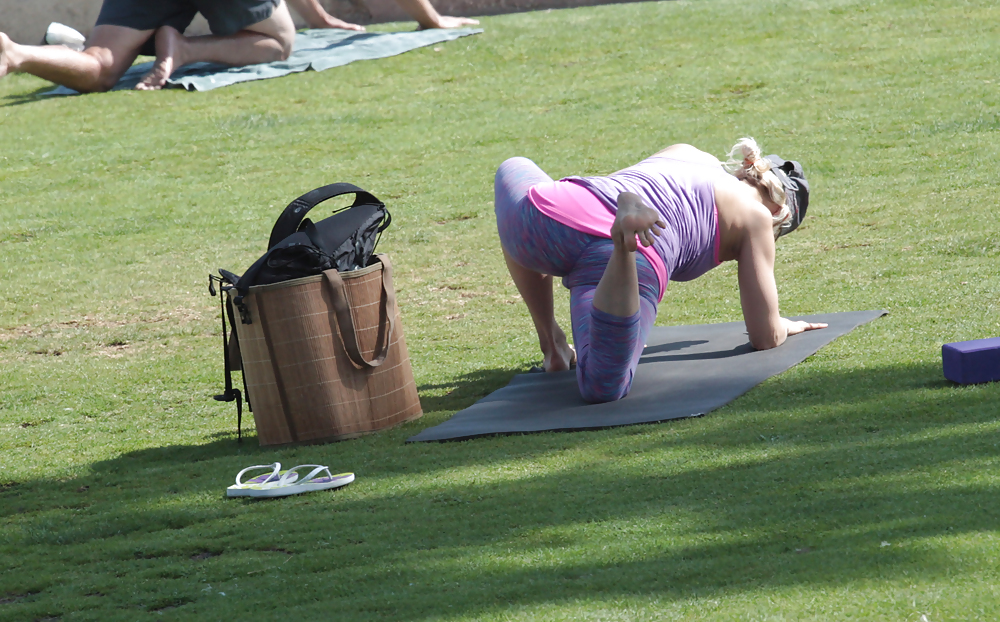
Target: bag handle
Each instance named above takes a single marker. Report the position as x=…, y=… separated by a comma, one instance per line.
x=288, y=222
x=348, y=332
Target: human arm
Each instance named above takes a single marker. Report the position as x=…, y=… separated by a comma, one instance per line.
x=427, y=16
x=758, y=290
x=317, y=17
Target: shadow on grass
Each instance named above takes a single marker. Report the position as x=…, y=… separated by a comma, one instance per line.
x=798, y=483
x=464, y=390
x=26, y=98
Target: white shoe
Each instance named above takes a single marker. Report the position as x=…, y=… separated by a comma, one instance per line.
x=272, y=478
x=291, y=484
x=61, y=34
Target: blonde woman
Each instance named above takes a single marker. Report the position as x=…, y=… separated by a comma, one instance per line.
x=616, y=241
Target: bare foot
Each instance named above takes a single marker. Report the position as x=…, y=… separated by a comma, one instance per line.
x=6, y=64
x=169, y=45
x=447, y=21
x=633, y=219
x=560, y=356
x=333, y=22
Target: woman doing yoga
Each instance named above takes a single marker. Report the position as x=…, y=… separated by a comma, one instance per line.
x=617, y=240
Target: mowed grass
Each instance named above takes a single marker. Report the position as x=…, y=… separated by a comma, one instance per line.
x=858, y=485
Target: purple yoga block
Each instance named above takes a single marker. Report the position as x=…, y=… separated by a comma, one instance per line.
x=971, y=362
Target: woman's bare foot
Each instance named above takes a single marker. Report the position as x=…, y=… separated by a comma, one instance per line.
x=447, y=21
x=169, y=48
x=633, y=219
x=559, y=355
x=7, y=64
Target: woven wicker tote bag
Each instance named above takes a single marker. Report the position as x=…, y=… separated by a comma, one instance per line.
x=324, y=357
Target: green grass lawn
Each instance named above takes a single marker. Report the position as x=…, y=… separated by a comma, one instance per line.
x=859, y=485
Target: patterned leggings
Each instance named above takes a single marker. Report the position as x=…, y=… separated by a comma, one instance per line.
x=607, y=346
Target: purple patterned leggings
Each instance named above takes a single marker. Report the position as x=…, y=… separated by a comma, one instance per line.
x=607, y=346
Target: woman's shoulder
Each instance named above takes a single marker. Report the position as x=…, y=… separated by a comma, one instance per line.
x=738, y=208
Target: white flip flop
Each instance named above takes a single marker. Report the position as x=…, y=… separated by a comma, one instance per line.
x=291, y=484
x=270, y=479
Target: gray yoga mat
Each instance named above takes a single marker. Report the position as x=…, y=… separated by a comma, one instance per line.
x=685, y=371
x=314, y=49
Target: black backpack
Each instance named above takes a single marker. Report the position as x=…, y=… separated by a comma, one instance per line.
x=299, y=247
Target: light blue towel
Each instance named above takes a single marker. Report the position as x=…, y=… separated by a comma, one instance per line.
x=314, y=49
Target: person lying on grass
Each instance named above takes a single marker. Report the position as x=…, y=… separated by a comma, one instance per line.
x=244, y=32
x=683, y=213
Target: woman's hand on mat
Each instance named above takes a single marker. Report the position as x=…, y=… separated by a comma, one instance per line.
x=794, y=328
x=333, y=22
x=317, y=17
x=447, y=21
x=632, y=219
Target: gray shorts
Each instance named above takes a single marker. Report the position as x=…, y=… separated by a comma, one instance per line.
x=225, y=17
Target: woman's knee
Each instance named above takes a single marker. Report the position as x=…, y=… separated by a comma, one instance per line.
x=608, y=390
x=599, y=385
x=103, y=81
x=513, y=163
x=285, y=45
x=102, y=76
x=280, y=28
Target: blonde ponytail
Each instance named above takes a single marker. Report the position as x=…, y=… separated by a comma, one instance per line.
x=755, y=168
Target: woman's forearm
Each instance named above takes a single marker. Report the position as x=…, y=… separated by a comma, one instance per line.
x=758, y=290
x=311, y=11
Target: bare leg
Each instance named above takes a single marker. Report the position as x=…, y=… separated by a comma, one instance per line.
x=317, y=17
x=618, y=291
x=110, y=52
x=428, y=17
x=536, y=290
x=264, y=42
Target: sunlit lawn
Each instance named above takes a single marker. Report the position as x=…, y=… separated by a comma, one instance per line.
x=858, y=485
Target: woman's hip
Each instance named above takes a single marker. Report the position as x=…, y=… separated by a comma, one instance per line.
x=532, y=239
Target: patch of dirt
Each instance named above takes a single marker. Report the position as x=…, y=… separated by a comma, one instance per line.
x=179, y=315
x=9, y=599
x=460, y=217
x=204, y=555
x=142, y=555
x=276, y=549
x=115, y=349
x=824, y=248
x=169, y=604
x=10, y=334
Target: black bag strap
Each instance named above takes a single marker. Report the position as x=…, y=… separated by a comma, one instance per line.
x=230, y=394
x=288, y=222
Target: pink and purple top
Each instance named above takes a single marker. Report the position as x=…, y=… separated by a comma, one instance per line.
x=682, y=191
